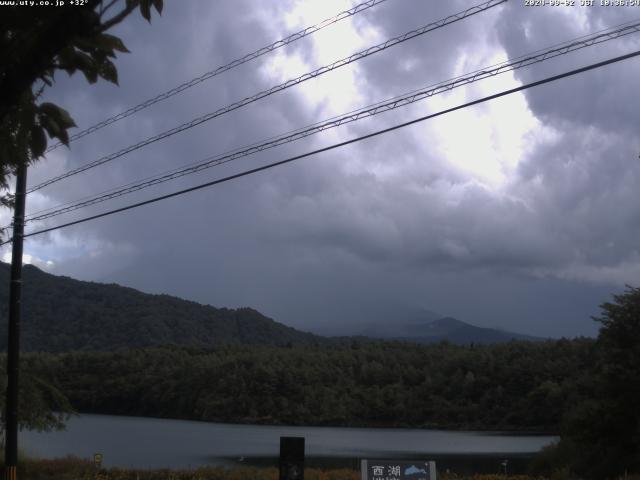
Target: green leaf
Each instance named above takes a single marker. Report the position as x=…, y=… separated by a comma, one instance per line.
x=109, y=72
x=145, y=9
x=58, y=114
x=51, y=126
x=48, y=108
x=66, y=58
x=91, y=74
x=54, y=129
x=86, y=44
x=80, y=59
x=104, y=43
x=114, y=42
x=158, y=4
x=75, y=59
x=64, y=137
x=38, y=141
x=99, y=56
x=64, y=119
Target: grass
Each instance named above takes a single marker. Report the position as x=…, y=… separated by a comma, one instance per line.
x=73, y=468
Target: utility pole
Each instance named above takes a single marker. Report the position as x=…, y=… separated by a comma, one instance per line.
x=13, y=338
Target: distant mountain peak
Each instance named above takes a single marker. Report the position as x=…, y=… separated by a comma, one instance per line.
x=448, y=322
x=429, y=330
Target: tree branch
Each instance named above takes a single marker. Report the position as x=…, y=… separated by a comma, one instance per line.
x=116, y=19
x=103, y=9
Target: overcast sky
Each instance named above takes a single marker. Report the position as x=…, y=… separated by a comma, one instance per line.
x=522, y=213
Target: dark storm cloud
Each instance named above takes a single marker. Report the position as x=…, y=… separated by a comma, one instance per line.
x=581, y=181
x=392, y=221
x=584, y=185
x=598, y=98
x=409, y=222
x=431, y=57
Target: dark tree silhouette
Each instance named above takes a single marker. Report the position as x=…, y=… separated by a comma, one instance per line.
x=605, y=428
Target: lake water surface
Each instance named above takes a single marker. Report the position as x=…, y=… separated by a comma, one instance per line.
x=158, y=443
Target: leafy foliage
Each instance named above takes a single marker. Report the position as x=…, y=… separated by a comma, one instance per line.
x=605, y=427
x=35, y=43
x=519, y=385
x=43, y=406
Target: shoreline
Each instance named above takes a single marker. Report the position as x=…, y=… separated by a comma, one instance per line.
x=533, y=432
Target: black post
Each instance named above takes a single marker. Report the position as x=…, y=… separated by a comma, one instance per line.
x=13, y=347
x=291, y=458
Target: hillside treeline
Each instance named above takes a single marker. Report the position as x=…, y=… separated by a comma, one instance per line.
x=518, y=385
x=60, y=314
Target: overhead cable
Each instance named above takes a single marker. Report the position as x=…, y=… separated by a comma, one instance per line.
x=338, y=145
x=278, y=88
x=223, y=68
x=371, y=110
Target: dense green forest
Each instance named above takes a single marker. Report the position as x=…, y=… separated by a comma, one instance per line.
x=62, y=314
x=518, y=385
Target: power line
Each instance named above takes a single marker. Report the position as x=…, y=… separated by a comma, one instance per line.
x=518, y=62
x=221, y=69
x=371, y=110
x=289, y=83
x=341, y=144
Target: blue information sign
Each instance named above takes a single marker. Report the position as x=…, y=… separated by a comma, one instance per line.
x=372, y=469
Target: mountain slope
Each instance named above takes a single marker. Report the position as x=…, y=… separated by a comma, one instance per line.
x=61, y=314
x=429, y=330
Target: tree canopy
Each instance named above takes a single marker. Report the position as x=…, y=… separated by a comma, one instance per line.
x=513, y=386
x=605, y=428
x=44, y=406
x=600, y=436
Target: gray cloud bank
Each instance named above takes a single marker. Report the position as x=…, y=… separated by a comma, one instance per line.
x=334, y=240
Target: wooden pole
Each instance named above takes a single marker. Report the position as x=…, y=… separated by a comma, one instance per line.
x=13, y=338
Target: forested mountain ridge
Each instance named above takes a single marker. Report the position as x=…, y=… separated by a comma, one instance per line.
x=63, y=314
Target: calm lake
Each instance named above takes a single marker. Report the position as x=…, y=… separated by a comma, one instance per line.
x=156, y=443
